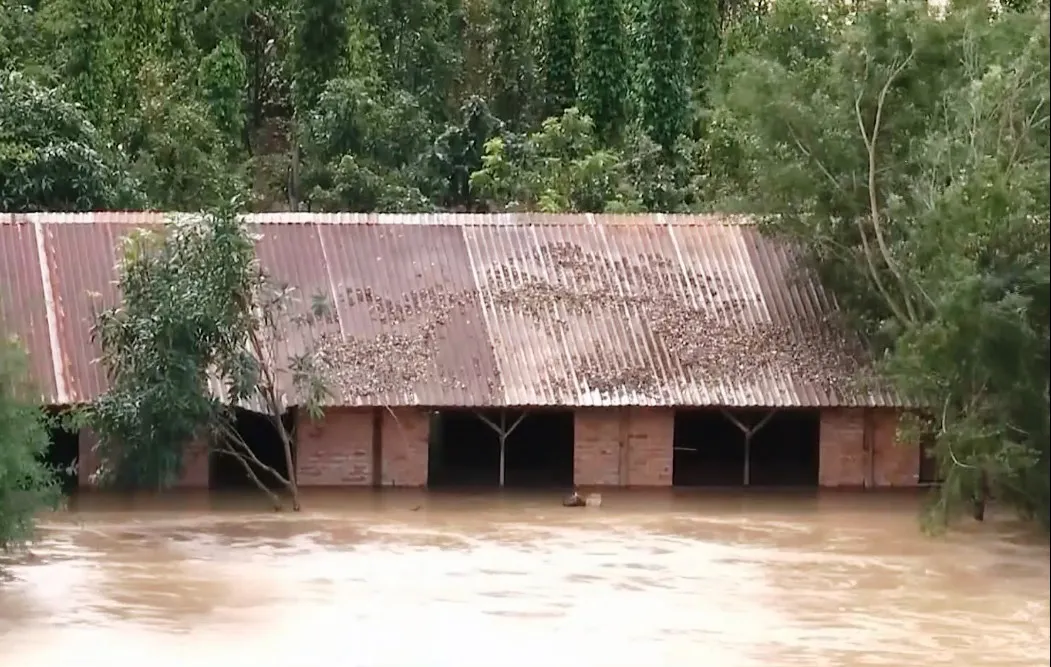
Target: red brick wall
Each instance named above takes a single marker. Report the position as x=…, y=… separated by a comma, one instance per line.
x=896, y=463
x=651, y=434
x=195, y=466
x=843, y=460
x=194, y=475
x=846, y=459
x=335, y=450
x=405, y=447
x=623, y=446
x=598, y=446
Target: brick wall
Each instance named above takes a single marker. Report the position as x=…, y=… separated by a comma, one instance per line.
x=896, y=463
x=623, y=446
x=196, y=467
x=599, y=444
x=405, y=437
x=195, y=471
x=651, y=435
x=843, y=460
x=335, y=450
x=859, y=448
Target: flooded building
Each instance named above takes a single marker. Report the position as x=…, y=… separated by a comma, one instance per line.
x=516, y=350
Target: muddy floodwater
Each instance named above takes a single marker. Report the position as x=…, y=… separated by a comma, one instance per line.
x=436, y=580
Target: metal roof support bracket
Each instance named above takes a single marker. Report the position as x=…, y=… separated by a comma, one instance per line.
x=503, y=431
x=748, y=433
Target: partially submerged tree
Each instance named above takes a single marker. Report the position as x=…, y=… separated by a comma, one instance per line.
x=201, y=331
x=908, y=153
x=27, y=484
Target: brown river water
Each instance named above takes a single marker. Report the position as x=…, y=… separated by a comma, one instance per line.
x=405, y=579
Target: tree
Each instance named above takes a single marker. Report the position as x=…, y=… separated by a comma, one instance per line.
x=457, y=152
x=603, y=79
x=558, y=50
x=51, y=156
x=27, y=485
x=365, y=149
x=319, y=47
x=664, y=90
x=512, y=74
x=908, y=152
x=562, y=168
x=200, y=332
x=704, y=32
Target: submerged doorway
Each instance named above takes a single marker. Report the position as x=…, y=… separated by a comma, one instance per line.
x=717, y=447
x=262, y=437
x=63, y=452
x=501, y=448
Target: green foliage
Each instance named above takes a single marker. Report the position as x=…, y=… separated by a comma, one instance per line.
x=186, y=294
x=177, y=153
x=705, y=36
x=363, y=146
x=560, y=168
x=197, y=314
x=512, y=82
x=457, y=153
x=27, y=485
x=51, y=156
x=223, y=75
x=558, y=52
x=319, y=46
x=663, y=90
x=603, y=81
x=420, y=47
x=909, y=153
x=203, y=100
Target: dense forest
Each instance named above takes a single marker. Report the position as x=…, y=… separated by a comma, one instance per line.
x=905, y=145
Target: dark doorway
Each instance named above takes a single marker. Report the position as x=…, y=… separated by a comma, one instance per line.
x=465, y=448
x=62, y=453
x=709, y=449
x=263, y=438
x=786, y=450
x=712, y=448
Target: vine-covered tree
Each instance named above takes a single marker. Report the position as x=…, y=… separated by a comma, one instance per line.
x=319, y=46
x=513, y=70
x=664, y=98
x=704, y=19
x=558, y=50
x=603, y=79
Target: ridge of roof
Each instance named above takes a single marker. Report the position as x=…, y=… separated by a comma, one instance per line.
x=411, y=219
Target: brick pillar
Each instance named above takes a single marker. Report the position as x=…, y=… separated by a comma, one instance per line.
x=650, y=437
x=597, y=447
x=405, y=440
x=87, y=460
x=896, y=463
x=195, y=466
x=336, y=450
x=843, y=459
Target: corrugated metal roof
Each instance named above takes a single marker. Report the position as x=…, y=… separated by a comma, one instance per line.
x=23, y=306
x=488, y=310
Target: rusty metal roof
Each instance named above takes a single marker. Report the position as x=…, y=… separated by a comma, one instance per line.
x=487, y=310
